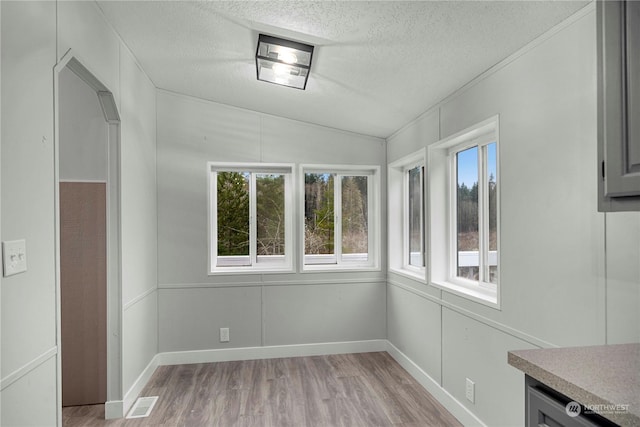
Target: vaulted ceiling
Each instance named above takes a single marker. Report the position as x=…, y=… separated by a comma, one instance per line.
x=377, y=64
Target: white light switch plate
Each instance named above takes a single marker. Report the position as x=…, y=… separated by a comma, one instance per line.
x=14, y=257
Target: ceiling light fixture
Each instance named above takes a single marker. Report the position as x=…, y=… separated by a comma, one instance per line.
x=283, y=62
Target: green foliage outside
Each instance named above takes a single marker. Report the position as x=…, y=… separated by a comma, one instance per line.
x=354, y=215
x=233, y=213
x=416, y=206
x=468, y=216
x=270, y=214
x=320, y=214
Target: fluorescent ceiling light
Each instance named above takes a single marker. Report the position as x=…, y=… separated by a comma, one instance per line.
x=283, y=62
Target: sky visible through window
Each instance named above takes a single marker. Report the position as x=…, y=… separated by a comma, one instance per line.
x=468, y=165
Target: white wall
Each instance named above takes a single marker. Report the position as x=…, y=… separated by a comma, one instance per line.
x=0, y=212
x=554, y=244
x=269, y=309
x=83, y=131
x=622, y=249
x=138, y=219
x=31, y=31
x=28, y=299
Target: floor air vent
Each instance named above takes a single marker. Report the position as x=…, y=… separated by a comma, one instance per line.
x=143, y=406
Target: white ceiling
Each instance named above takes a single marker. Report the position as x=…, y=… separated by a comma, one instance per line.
x=377, y=65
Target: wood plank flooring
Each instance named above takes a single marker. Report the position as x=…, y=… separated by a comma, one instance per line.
x=365, y=389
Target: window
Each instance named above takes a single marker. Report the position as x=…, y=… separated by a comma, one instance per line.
x=250, y=215
x=476, y=233
x=415, y=216
x=406, y=216
x=340, y=217
x=466, y=195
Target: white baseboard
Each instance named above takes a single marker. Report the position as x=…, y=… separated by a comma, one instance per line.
x=464, y=415
x=134, y=391
x=269, y=352
x=113, y=409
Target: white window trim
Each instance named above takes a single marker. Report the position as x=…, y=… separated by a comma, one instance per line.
x=486, y=287
x=405, y=247
x=443, y=274
x=398, y=215
x=338, y=261
x=253, y=263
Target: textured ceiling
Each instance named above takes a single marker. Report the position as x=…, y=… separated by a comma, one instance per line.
x=377, y=65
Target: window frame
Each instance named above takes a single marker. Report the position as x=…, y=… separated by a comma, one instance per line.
x=398, y=220
x=482, y=143
x=445, y=275
x=257, y=264
x=336, y=261
x=407, y=222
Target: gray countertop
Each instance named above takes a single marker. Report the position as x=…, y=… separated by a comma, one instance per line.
x=604, y=379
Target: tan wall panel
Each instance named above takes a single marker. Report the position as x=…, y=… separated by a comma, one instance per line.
x=83, y=274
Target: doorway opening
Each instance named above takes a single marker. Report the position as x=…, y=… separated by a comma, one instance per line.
x=88, y=240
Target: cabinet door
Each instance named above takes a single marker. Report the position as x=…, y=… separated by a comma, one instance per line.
x=631, y=148
x=619, y=98
x=543, y=411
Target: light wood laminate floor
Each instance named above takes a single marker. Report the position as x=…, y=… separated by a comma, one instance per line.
x=365, y=389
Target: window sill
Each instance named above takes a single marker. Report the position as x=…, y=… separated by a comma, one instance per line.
x=476, y=293
x=320, y=268
x=420, y=276
x=220, y=271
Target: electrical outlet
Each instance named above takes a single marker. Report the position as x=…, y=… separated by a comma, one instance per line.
x=224, y=334
x=471, y=391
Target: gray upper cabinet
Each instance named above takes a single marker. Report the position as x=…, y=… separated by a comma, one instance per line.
x=618, y=105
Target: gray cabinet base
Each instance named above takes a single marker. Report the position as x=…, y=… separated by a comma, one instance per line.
x=545, y=407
